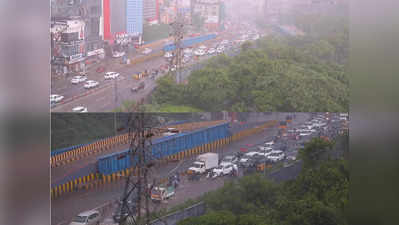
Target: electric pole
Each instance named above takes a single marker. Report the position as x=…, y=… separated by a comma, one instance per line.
x=178, y=29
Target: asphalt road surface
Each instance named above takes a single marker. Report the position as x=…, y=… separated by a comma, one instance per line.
x=67, y=206
x=102, y=98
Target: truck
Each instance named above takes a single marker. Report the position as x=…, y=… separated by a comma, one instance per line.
x=204, y=163
x=159, y=194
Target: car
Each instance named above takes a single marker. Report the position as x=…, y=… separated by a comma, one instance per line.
x=56, y=98
x=219, y=50
x=138, y=88
x=147, y=51
x=168, y=55
x=211, y=51
x=117, y=54
x=203, y=47
x=224, y=42
x=229, y=159
x=188, y=51
x=276, y=156
x=199, y=52
x=91, y=217
x=223, y=169
x=91, y=84
x=78, y=79
x=80, y=109
x=186, y=60
x=111, y=75
x=250, y=154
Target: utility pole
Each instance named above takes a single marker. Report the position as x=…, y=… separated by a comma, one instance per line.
x=137, y=190
x=178, y=29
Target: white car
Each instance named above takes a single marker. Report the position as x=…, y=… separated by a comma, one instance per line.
x=91, y=217
x=56, y=98
x=250, y=154
x=168, y=55
x=224, y=169
x=80, y=109
x=229, y=159
x=199, y=52
x=118, y=54
x=78, y=79
x=220, y=50
x=211, y=51
x=203, y=47
x=188, y=51
x=276, y=156
x=264, y=148
x=91, y=84
x=147, y=51
x=111, y=75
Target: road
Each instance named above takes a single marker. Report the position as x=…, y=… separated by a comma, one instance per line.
x=70, y=204
x=102, y=98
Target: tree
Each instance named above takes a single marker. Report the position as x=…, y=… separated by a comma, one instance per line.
x=314, y=152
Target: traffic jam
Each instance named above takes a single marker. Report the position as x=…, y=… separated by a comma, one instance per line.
x=205, y=170
x=229, y=41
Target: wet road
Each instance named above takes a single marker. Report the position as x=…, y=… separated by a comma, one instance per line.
x=102, y=98
x=70, y=204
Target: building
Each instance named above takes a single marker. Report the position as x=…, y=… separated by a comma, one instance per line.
x=134, y=17
x=122, y=17
x=150, y=10
x=76, y=34
x=210, y=10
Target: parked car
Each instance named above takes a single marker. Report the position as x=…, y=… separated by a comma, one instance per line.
x=56, y=98
x=78, y=79
x=91, y=217
x=111, y=75
x=91, y=84
x=80, y=109
x=139, y=87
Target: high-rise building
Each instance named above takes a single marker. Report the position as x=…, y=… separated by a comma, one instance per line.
x=134, y=17
x=122, y=16
x=150, y=10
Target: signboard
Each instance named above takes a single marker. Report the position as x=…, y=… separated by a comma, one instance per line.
x=75, y=58
x=96, y=52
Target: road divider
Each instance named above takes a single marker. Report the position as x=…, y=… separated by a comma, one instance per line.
x=97, y=180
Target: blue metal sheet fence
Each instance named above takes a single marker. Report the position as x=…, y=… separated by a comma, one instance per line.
x=190, y=42
x=164, y=147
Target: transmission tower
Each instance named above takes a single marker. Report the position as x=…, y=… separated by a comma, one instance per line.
x=135, y=200
x=178, y=30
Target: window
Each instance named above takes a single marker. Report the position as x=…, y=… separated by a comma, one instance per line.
x=93, y=216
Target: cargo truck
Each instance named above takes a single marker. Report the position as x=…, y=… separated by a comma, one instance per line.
x=204, y=163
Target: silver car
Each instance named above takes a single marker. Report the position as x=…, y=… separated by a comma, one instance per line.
x=91, y=217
